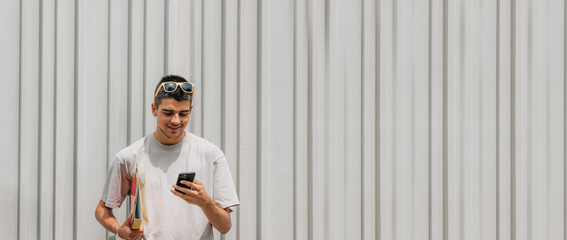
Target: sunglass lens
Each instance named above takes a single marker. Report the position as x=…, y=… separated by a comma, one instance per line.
x=187, y=87
x=169, y=87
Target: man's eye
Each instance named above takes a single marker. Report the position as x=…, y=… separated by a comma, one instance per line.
x=168, y=113
x=183, y=114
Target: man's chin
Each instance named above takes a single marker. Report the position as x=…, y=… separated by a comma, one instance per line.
x=171, y=133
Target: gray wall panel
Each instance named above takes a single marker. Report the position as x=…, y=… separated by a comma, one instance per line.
x=91, y=112
x=276, y=114
x=369, y=108
x=340, y=119
x=385, y=122
x=29, y=121
x=47, y=115
x=118, y=86
x=505, y=125
x=64, y=219
x=301, y=121
x=154, y=57
x=9, y=123
x=318, y=66
x=229, y=94
x=137, y=71
x=556, y=96
x=197, y=37
x=247, y=181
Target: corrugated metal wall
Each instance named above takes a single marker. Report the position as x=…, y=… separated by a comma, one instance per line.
x=358, y=119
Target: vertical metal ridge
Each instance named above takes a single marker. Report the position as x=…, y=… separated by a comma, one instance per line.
x=547, y=128
x=377, y=114
x=412, y=169
x=362, y=121
x=76, y=115
x=346, y=149
x=203, y=73
x=39, y=120
x=223, y=75
x=513, y=120
x=529, y=116
x=108, y=67
x=309, y=22
x=346, y=135
x=238, y=122
x=479, y=130
x=445, y=123
x=295, y=116
x=394, y=122
x=461, y=116
x=20, y=122
x=223, y=81
x=564, y=116
x=191, y=76
x=412, y=177
x=259, y=120
x=55, y=85
x=129, y=77
x=326, y=106
x=498, y=145
x=145, y=66
x=430, y=119
x=166, y=38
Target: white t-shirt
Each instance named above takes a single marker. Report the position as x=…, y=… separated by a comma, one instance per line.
x=166, y=216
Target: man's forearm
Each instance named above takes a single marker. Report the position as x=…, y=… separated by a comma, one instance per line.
x=106, y=218
x=218, y=217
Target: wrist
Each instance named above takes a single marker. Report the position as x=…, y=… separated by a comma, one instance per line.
x=116, y=228
x=209, y=205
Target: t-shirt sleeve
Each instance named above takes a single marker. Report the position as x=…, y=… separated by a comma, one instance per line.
x=117, y=185
x=224, y=192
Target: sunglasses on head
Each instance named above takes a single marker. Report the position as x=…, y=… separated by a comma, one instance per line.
x=172, y=86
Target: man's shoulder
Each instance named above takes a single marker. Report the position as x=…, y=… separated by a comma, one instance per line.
x=209, y=149
x=132, y=150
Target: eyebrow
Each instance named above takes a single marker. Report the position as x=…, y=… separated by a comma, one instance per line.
x=169, y=110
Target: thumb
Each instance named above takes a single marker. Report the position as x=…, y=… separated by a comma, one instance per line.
x=128, y=220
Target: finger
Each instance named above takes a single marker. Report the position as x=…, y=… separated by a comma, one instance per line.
x=190, y=198
x=185, y=190
x=176, y=193
x=194, y=186
x=187, y=197
x=138, y=236
x=189, y=184
x=128, y=220
x=138, y=231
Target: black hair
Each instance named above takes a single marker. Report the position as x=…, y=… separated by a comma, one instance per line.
x=178, y=94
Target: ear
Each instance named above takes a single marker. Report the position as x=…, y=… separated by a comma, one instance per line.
x=154, y=109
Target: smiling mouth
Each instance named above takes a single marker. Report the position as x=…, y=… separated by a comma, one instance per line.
x=174, y=128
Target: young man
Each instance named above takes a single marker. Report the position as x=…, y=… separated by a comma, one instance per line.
x=161, y=156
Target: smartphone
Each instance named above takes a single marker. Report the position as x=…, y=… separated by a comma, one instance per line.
x=187, y=176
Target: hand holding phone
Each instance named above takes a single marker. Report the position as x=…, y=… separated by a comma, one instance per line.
x=185, y=176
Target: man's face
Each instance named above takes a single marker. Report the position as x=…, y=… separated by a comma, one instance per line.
x=172, y=117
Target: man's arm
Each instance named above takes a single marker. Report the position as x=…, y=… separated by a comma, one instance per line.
x=106, y=218
x=218, y=217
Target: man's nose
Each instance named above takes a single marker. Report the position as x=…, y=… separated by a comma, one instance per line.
x=175, y=119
